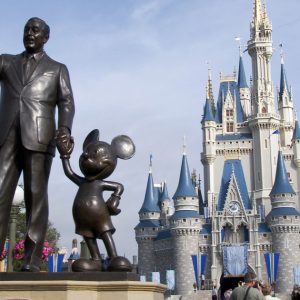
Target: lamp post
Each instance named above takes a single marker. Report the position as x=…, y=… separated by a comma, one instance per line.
x=18, y=198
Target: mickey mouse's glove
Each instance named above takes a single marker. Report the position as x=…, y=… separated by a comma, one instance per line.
x=112, y=205
x=64, y=142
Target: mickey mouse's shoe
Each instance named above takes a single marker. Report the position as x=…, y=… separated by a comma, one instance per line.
x=119, y=264
x=86, y=265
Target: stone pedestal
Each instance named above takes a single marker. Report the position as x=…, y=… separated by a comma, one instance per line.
x=72, y=286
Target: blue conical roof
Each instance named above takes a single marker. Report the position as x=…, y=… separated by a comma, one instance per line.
x=150, y=201
x=165, y=195
x=296, y=133
x=283, y=82
x=185, y=186
x=208, y=115
x=242, y=83
x=282, y=184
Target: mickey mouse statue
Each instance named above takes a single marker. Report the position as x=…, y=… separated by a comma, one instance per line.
x=91, y=213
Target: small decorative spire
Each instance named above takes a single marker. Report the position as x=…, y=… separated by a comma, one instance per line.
x=281, y=54
x=238, y=39
x=184, y=146
x=150, y=164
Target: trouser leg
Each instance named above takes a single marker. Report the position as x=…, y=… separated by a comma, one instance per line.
x=36, y=171
x=10, y=170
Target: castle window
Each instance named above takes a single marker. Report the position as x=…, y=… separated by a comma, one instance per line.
x=205, y=236
x=184, y=220
x=264, y=235
x=229, y=113
x=263, y=110
x=229, y=126
x=286, y=244
x=266, y=143
x=284, y=217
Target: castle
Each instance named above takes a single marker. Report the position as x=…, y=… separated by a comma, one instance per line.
x=250, y=204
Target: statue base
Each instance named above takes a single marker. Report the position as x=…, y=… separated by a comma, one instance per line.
x=78, y=286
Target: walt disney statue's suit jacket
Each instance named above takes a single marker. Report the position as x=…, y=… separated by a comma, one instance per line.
x=34, y=100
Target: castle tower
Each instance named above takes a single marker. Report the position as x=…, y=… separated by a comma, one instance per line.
x=147, y=229
x=208, y=155
x=286, y=109
x=284, y=222
x=244, y=90
x=264, y=121
x=185, y=230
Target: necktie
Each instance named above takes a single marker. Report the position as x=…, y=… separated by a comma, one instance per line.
x=28, y=67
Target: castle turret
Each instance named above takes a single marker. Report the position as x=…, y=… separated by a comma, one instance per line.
x=264, y=121
x=296, y=144
x=284, y=222
x=185, y=230
x=244, y=90
x=208, y=155
x=286, y=109
x=147, y=229
x=165, y=205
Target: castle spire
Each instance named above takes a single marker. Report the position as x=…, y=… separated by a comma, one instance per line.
x=150, y=203
x=242, y=82
x=209, y=92
x=257, y=12
x=282, y=184
x=208, y=114
x=185, y=186
x=283, y=80
x=165, y=194
x=261, y=34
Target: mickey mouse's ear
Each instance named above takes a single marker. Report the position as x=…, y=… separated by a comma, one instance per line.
x=92, y=137
x=123, y=146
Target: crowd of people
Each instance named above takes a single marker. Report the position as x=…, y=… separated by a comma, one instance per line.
x=251, y=289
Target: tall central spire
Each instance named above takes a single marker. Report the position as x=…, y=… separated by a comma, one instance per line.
x=260, y=49
x=257, y=12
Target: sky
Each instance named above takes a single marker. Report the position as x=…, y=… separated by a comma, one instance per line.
x=139, y=67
